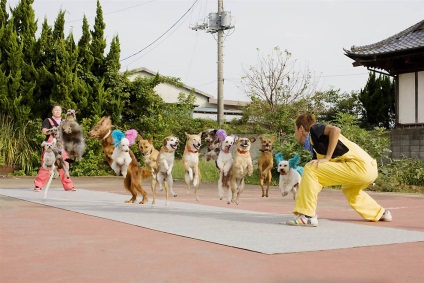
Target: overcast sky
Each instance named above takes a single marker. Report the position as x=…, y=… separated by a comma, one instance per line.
x=315, y=32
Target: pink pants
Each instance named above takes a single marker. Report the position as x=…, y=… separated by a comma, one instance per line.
x=44, y=175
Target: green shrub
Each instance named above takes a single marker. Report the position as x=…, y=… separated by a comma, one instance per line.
x=20, y=145
x=401, y=175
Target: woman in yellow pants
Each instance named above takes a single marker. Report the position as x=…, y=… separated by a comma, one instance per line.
x=335, y=161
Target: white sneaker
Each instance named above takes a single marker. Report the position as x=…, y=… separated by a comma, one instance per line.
x=387, y=216
x=303, y=220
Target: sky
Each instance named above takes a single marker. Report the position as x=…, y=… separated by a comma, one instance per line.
x=158, y=35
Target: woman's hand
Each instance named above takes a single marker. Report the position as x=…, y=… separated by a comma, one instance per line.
x=317, y=161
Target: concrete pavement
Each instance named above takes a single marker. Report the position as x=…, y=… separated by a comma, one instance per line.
x=43, y=243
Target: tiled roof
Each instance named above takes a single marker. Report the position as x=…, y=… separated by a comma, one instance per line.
x=411, y=38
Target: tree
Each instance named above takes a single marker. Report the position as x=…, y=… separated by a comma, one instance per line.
x=277, y=80
x=331, y=102
x=25, y=25
x=378, y=101
x=4, y=16
x=278, y=90
x=98, y=43
x=85, y=58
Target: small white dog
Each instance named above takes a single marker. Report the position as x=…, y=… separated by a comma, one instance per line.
x=289, y=176
x=224, y=163
x=121, y=157
x=49, y=155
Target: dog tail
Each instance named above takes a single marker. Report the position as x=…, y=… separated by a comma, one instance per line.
x=145, y=173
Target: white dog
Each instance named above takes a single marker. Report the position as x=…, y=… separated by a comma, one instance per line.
x=165, y=163
x=289, y=179
x=224, y=163
x=121, y=157
x=49, y=155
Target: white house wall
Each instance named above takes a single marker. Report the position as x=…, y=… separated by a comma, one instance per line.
x=420, y=97
x=407, y=101
x=170, y=94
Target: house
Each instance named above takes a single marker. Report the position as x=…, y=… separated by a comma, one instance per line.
x=206, y=106
x=402, y=57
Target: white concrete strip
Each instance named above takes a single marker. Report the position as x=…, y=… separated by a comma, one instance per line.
x=250, y=230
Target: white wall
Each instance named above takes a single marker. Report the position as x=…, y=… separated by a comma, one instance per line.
x=420, y=97
x=407, y=98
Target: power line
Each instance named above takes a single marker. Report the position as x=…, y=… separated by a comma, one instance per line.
x=138, y=52
x=117, y=11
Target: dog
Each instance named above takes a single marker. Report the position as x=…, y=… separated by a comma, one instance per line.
x=265, y=163
x=242, y=166
x=121, y=154
x=71, y=136
x=57, y=149
x=212, y=142
x=165, y=163
x=150, y=156
x=149, y=153
x=224, y=163
x=190, y=160
x=132, y=182
x=49, y=158
x=289, y=176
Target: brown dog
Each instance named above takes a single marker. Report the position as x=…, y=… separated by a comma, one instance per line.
x=265, y=163
x=132, y=182
x=149, y=153
x=242, y=166
x=191, y=161
x=150, y=156
x=212, y=142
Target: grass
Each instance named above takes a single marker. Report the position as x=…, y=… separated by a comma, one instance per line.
x=207, y=169
x=209, y=172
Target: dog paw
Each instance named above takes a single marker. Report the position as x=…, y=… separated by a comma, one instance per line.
x=285, y=193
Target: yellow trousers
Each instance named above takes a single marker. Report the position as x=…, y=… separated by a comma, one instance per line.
x=353, y=175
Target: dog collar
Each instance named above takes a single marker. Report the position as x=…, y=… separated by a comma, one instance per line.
x=189, y=150
x=108, y=133
x=265, y=150
x=241, y=152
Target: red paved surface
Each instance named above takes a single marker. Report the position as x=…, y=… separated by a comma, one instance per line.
x=44, y=244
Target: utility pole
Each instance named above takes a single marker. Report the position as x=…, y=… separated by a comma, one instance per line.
x=218, y=23
x=220, y=69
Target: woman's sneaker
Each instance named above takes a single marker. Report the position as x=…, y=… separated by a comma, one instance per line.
x=303, y=220
x=387, y=216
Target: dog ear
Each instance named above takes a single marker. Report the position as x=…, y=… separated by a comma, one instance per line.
x=252, y=139
x=200, y=134
x=139, y=138
x=43, y=144
x=165, y=141
x=151, y=140
x=261, y=137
